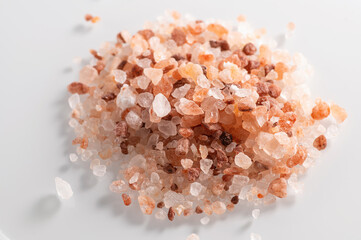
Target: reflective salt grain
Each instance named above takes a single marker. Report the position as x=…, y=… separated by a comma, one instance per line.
x=181, y=91
x=119, y=76
x=63, y=188
x=160, y=214
x=154, y=74
x=189, y=107
x=126, y=97
x=242, y=160
x=161, y=105
x=167, y=127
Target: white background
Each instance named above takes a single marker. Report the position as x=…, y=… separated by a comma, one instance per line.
x=38, y=41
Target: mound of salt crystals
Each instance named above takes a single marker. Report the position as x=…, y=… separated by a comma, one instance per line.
x=198, y=116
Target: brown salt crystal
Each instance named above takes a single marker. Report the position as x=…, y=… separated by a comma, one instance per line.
x=120, y=38
x=126, y=199
x=198, y=210
x=124, y=147
x=169, y=168
x=320, y=142
x=121, y=129
x=136, y=71
x=122, y=64
x=179, y=36
x=109, y=96
x=186, y=132
x=268, y=68
x=298, y=158
x=278, y=187
x=160, y=205
x=192, y=174
x=274, y=90
x=249, y=49
x=174, y=187
x=226, y=138
x=146, y=33
x=171, y=214
x=223, y=44
x=95, y=54
x=262, y=88
x=320, y=111
x=182, y=147
x=252, y=64
x=234, y=199
x=78, y=87
x=178, y=57
x=221, y=158
x=88, y=17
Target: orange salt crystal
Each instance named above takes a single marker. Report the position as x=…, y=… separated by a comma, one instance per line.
x=204, y=58
x=338, y=113
x=217, y=29
x=259, y=195
x=146, y=204
x=95, y=19
x=126, y=199
x=88, y=17
x=176, y=15
x=278, y=187
x=265, y=53
x=291, y=26
x=241, y=18
x=280, y=68
x=298, y=158
x=321, y=110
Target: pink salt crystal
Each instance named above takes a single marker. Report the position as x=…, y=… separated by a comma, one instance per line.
x=126, y=97
x=133, y=120
x=218, y=207
x=161, y=105
x=338, y=113
x=118, y=186
x=146, y=204
x=99, y=170
x=160, y=214
x=195, y=189
x=205, y=165
x=119, y=76
x=186, y=163
x=167, y=127
x=242, y=160
x=154, y=74
x=189, y=107
x=87, y=74
x=143, y=82
x=145, y=99
x=203, y=82
x=181, y=91
x=204, y=151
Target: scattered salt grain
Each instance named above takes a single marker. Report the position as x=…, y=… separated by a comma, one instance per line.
x=204, y=220
x=99, y=170
x=255, y=236
x=73, y=157
x=63, y=188
x=119, y=76
x=255, y=213
x=193, y=236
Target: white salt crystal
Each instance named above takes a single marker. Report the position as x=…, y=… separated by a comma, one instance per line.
x=181, y=91
x=255, y=213
x=216, y=93
x=205, y=220
x=99, y=170
x=172, y=198
x=145, y=99
x=63, y=188
x=73, y=123
x=195, y=189
x=255, y=236
x=242, y=160
x=126, y=97
x=205, y=165
x=204, y=151
x=186, y=163
x=73, y=157
x=193, y=236
x=143, y=82
x=154, y=178
x=133, y=120
x=154, y=74
x=74, y=100
x=332, y=131
x=119, y=76
x=161, y=105
x=189, y=107
x=118, y=186
x=134, y=178
x=243, y=194
x=160, y=214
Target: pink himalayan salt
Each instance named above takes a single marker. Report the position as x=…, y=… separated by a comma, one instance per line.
x=189, y=107
x=161, y=105
x=242, y=160
x=146, y=204
x=218, y=207
x=154, y=74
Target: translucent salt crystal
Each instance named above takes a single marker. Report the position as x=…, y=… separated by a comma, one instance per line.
x=74, y=100
x=238, y=182
x=216, y=93
x=193, y=236
x=204, y=151
x=290, y=30
x=203, y=82
x=154, y=178
x=99, y=170
x=118, y=186
x=133, y=120
x=176, y=120
x=231, y=147
x=161, y=105
x=194, y=149
x=219, y=207
x=154, y=74
x=73, y=157
x=204, y=220
x=181, y=91
x=332, y=131
x=195, y=189
x=153, y=140
x=186, y=163
x=205, y=165
x=255, y=213
x=255, y=236
x=86, y=155
x=108, y=125
x=94, y=162
x=138, y=161
x=282, y=138
x=73, y=123
x=143, y=82
x=243, y=194
x=134, y=178
x=159, y=146
x=63, y=188
x=119, y=76
x=87, y=74
x=242, y=160
x=126, y=97
x=189, y=107
x=172, y=198
x=145, y=99
x=167, y=127
x=160, y=214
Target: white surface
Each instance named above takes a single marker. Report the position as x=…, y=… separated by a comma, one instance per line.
x=38, y=40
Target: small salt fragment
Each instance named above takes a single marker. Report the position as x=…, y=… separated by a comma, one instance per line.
x=143, y=82
x=134, y=178
x=126, y=97
x=255, y=236
x=99, y=170
x=205, y=220
x=218, y=207
x=63, y=188
x=167, y=127
x=87, y=74
x=161, y=106
x=118, y=186
x=204, y=151
x=73, y=157
x=242, y=160
x=193, y=236
x=205, y=165
x=255, y=213
x=154, y=74
x=195, y=189
x=119, y=76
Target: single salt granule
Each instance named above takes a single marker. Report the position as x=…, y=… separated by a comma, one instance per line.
x=63, y=188
x=193, y=236
x=99, y=170
x=73, y=157
x=255, y=213
x=205, y=220
x=255, y=236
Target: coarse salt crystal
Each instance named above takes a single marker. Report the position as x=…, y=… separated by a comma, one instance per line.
x=73, y=157
x=204, y=220
x=161, y=106
x=186, y=163
x=154, y=74
x=193, y=236
x=255, y=213
x=205, y=165
x=242, y=160
x=119, y=76
x=99, y=170
x=63, y=188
